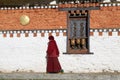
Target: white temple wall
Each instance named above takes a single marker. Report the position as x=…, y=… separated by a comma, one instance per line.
x=27, y=54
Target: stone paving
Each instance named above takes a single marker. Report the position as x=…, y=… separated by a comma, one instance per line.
x=64, y=76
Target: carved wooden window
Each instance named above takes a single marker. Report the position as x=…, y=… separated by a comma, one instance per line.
x=78, y=32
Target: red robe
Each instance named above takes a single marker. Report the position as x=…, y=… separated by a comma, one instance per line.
x=53, y=64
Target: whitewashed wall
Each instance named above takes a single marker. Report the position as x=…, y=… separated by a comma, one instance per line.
x=27, y=54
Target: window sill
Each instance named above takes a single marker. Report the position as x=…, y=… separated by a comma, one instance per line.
x=88, y=53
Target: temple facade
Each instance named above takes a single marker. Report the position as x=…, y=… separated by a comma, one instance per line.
x=87, y=34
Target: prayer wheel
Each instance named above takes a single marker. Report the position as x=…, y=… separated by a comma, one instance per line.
x=83, y=43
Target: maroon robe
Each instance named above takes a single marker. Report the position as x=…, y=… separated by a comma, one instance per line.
x=53, y=65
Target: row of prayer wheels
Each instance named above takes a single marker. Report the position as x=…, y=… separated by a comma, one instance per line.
x=78, y=43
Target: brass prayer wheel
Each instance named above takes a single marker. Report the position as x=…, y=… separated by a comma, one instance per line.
x=78, y=41
x=72, y=42
x=83, y=41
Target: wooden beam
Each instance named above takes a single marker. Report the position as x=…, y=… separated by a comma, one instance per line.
x=70, y=9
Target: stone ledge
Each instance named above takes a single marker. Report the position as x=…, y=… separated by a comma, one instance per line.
x=65, y=76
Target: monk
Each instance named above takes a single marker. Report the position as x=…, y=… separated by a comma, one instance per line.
x=53, y=65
